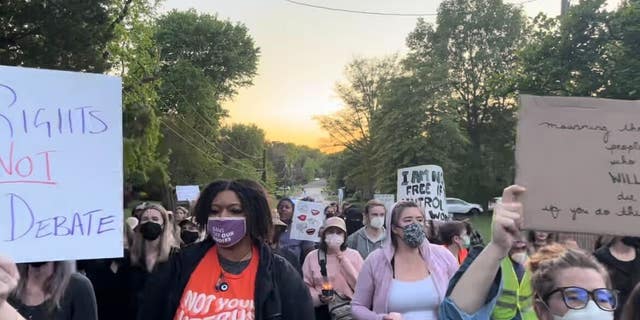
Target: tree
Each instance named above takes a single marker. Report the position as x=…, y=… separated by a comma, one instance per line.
x=133, y=57
x=66, y=35
x=471, y=56
x=588, y=52
x=203, y=60
x=352, y=126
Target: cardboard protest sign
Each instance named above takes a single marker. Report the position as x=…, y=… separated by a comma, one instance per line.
x=424, y=185
x=308, y=217
x=187, y=193
x=388, y=199
x=61, y=176
x=579, y=159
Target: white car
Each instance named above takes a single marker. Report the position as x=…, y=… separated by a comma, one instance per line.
x=459, y=206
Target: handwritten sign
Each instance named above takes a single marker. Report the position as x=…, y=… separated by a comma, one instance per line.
x=424, y=185
x=61, y=175
x=187, y=193
x=388, y=199
x=308, y=217
x=579, y=159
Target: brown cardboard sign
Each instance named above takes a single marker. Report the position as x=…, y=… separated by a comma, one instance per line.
x=579, y=159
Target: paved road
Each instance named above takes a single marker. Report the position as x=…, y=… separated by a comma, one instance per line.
x=314, y=189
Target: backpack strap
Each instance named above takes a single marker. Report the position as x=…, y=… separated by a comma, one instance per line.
x=322, y=261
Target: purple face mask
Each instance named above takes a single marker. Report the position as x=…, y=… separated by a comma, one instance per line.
x=227, y=232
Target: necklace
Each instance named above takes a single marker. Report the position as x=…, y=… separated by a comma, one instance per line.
x=222, y=285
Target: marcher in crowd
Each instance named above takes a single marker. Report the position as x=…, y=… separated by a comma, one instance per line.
x=372, y=236
x=299, y=248
x=567, y=283
x=233, y=272
x=406, y=279
x=631, y=309
x=189, y=232
x=539, y=239
x=621, y=257
x=516, y=299
x=278, y=228
x=9, y=278
x=53, y=291
x=454, y=237
x=341, y=267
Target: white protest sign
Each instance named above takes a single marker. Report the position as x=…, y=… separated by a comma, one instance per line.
x=308, y=217
x=388, y=199
x=424, y=185
x=340, y=197
x=61, y=176
x=187, y=193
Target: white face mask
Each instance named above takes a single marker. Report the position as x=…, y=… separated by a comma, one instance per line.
x=377, y=222
x=519, y=257
x=466, y=241
x=590, y=312
x=334, y=240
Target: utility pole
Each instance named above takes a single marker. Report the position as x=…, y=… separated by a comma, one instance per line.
x=564, y=7
x=264, y=165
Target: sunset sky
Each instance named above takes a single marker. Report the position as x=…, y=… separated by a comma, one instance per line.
x=304, y=51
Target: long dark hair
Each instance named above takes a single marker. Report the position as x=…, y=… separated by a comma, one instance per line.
x=253, y=199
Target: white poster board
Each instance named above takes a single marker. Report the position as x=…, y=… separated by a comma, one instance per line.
x=308, y=217
x=388, y=199
x=61, y=175
x=340, y=197
x=187, y=193
x=425, y=186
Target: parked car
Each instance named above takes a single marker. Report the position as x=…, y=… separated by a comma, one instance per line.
x=459, y=206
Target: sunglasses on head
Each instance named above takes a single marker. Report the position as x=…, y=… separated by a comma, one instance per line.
x=577, y=298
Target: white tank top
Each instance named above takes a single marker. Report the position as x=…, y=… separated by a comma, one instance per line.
x=416, y=300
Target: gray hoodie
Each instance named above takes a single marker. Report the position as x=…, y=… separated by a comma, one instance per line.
x=360, y=242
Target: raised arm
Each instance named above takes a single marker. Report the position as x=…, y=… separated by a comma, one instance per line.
x=471, y=292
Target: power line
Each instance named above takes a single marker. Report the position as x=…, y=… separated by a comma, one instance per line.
x=376, y=13
x=204, y=153
x=204, y=119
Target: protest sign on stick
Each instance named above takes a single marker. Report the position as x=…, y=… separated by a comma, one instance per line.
x=425, y=186
x=61, y=165
x=387, y=199
x=579, y=159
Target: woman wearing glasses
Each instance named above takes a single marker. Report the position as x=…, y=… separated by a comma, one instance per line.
x=567, y=284
x=570, y=284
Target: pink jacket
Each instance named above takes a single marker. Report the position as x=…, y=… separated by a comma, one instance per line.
x=371, y=298
x=342, y=275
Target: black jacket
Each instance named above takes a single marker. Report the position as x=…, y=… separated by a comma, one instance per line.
x=280, y=292
x=623, y=280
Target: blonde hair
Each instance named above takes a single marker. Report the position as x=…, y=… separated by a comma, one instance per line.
x=54, y=287
x=167, y=239
x=371, y=204
x=550, y=260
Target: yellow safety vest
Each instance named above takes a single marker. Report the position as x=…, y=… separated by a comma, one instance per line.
x=515, y=297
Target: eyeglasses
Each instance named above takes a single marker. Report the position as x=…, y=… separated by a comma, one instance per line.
x=577, y=298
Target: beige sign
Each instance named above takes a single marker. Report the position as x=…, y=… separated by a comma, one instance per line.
x=579, y=159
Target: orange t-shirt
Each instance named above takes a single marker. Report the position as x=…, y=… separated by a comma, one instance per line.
x=202, y=301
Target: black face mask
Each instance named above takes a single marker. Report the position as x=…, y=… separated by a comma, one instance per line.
x=150, y=230
x=37, y=264
x=189, y=237
x=632, y=241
